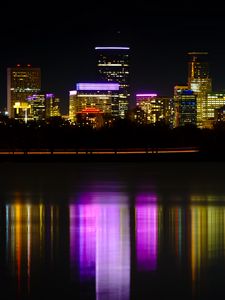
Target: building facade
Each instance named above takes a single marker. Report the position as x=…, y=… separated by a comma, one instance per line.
x=220, y=115
x=21, y=83
x=186, y=107
x=113, y=64
x=153, y=108
x=93, y=100
x=178, y=89
x=199, y=81
x=52, y=106
x=212, y=105
x=38, y=109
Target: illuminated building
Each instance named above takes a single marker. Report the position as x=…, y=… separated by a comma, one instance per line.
x=21, y=83
x=187, y=107
x=199, y=81
x=220, y=114
x=22, y=111
x=37, y=103
x=213, y=102
x=43, y=106
x=93, y=100
x=178, y=89
x=52, y=105
x=113, y=66
x=155, y=108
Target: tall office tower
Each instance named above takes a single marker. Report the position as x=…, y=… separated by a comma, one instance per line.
x=113, y=66
x=199, y=81
x=178, y=90
x=52, y=105
x=91, y=103
x=187, y=107
x=21, y=83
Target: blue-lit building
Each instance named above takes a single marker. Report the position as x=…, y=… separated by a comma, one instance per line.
x=187, y=107
x=113, y=65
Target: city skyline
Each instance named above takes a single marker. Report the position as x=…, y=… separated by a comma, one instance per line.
x=158, y=41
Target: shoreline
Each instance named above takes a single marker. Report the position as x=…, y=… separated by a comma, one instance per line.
x=114, y=157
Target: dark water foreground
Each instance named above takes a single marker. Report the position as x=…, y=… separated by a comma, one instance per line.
x=111, y=230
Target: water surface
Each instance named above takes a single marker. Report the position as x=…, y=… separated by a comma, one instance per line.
x=112, y=230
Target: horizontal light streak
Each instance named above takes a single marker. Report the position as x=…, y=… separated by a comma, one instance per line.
x=146, y=95
x=113, y=65
x=101, y=96
x=101, y=151
x=112, y=48
x=72, y=93
x=97, y=86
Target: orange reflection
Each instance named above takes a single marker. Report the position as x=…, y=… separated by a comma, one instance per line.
x=25, y=231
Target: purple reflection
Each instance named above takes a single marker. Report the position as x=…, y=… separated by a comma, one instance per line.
x=72, y=212
x=83, y=239
x=147, y=198
x=113, y=253
x=87, y=229
x=146, y=236
x=100, y=244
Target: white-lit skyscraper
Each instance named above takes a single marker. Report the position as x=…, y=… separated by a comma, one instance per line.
x=113, y=65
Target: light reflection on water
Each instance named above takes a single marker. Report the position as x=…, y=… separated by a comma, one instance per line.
x=100, y=238
x=112, y=243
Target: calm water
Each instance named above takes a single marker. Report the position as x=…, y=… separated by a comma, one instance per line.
x=112, y=231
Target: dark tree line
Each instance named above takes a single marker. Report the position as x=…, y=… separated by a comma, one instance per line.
x=59, y=134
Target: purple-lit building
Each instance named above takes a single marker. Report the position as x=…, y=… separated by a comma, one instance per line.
x=93, y=103
x=113, y=66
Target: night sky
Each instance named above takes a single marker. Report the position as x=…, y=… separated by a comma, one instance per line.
x=60, y=39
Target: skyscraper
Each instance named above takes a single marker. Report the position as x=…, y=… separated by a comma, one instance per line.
x=186, y=105
x=199, y=81
x=113, y=66
x=21, y=83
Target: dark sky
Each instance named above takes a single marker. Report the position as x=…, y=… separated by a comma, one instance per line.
x=60, y=38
